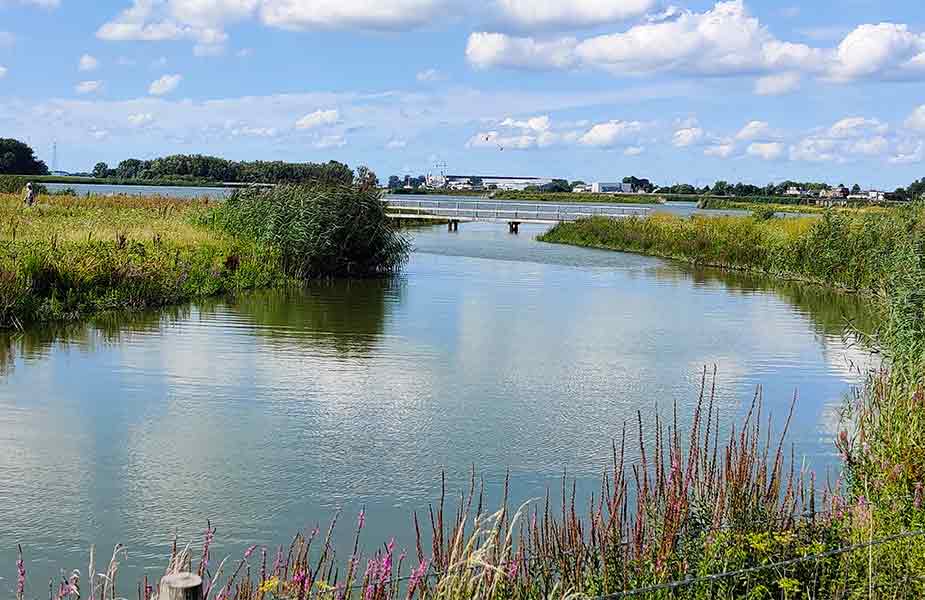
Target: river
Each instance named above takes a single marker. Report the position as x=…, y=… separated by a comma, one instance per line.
x=270, y=411
x=683, y=209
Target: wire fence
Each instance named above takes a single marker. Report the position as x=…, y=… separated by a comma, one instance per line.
x=705, y=579
x=691, y=581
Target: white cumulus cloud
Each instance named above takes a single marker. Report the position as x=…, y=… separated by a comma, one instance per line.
x=319, y=118
x=3, y=71
x=611, y=133
x=720, y=150
x=916, y=120
x=754, y=130
x=165, y=85
x=140, y=119
x=766, y=150
x=485, y=50
x=634, y=151
x=88, y=87
x=572, y=13
x=777, y=84
x=87, y=63
x=358, y=14
x=687, y=136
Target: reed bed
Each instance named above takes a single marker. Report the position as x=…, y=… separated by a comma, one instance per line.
x=696, y=503
x=881, y=254
x=852, y=252
x=754, y=203
x=68, y=258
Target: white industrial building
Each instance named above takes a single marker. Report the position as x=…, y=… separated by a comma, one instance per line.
x=611, y=188
x=468, y=182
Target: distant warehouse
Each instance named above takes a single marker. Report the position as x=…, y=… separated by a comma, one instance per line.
x=475, y=182
x=611, y=188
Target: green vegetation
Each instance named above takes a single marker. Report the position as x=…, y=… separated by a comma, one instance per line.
x=69, y=258
x=713, y=203
x=853, y=252
x=320, y=231
x=197, y=168
x=881, y=254
x=14, y=184
x=17, y=158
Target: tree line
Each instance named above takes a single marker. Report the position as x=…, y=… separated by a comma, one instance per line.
x=201, y=168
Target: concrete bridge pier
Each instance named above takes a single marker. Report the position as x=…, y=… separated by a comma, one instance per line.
x=453, y=225
x=514, y=227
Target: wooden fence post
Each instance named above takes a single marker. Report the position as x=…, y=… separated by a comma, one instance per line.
x=180, y=586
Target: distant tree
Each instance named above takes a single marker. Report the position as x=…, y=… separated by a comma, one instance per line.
x=395, y=182
x=640, y=185
x=130, y=169
x=366, y=179
x=557, y=185
x=721, y=188
x=856, y=189
x=18, y=158
x=476, y=182
x=101, y=170
x=577, y=183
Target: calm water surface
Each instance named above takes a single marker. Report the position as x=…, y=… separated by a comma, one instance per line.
x=270, y=411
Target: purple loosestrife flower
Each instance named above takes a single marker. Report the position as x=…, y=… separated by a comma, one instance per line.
x=417, y=576
x=361, y=521
x=249, y=551
x=20, y=576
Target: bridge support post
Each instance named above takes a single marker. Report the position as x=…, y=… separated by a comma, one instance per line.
x=453, y=225
x=514, y=227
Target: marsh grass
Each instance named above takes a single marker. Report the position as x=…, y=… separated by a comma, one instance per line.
x=856, y=252
x=714, y=203
x=68, y=258
x=319, y=230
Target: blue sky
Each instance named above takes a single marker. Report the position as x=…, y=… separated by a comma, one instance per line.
x=750, y=90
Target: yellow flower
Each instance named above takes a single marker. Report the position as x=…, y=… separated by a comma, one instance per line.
x=323, y=586
x=269, y=585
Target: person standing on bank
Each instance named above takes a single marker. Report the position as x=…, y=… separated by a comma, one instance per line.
x=29, y=195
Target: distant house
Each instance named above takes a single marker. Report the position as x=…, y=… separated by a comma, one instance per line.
x=838, y=193
x=793, y=191
x=582, y=189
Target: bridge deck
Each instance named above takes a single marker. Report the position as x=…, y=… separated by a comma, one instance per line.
x=504, y=212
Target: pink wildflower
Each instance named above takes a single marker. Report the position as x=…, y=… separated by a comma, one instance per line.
x=361, y=521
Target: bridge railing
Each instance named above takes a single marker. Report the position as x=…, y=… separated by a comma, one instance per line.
x=477, y=210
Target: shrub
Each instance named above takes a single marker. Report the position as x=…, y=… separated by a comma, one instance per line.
x=321, y=231
x=14, y=184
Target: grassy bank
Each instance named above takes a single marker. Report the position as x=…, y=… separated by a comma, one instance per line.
x=852, y=252
x=881, y=254
x=69, y=258
x=753, y=204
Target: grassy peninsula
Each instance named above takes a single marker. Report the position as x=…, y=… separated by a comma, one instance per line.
x=69, y=258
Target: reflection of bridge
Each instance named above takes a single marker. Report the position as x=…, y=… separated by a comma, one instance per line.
x=512, y=213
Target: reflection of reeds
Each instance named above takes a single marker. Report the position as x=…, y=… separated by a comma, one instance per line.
x=693, y=504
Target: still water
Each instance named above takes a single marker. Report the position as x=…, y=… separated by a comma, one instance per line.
x=678, y=208
x=270, y=411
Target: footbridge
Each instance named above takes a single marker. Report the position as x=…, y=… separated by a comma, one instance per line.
x=512, y=213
